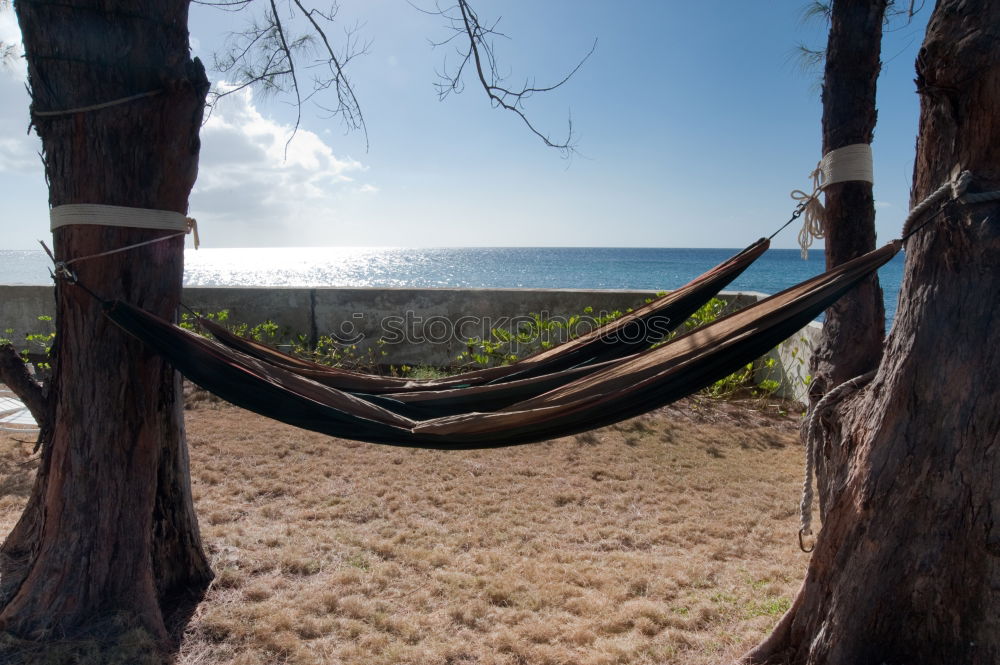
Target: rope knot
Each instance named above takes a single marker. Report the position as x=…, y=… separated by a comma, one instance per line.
x=813, y=213
x=852, y=162
x=960, y=184
x=62, y=271
x=955, y=187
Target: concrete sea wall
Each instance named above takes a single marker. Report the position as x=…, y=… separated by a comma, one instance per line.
x=416, y=326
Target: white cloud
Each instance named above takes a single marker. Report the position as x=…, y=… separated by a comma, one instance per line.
x=249, y=191
x=255, y=187
x=10, y=33
x=18, y=149
x=882, y=205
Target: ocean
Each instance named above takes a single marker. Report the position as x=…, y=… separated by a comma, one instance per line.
x=473, y=267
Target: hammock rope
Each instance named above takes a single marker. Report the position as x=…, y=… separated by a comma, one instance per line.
x=813, y=434
x=957, y=187
x=96, y=107
x=93, y=214
x=953, y=190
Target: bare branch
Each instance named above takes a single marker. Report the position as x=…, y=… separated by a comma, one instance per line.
x=287, y=53
x=8, y=55
x=8, y=52
x=290, y=38
x=272, y=52
x=346, y=98
x=478, y=48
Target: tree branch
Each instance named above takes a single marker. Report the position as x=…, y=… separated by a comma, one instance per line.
x=346, y=98
x=479, y=50
x=291, y=70
x=271, y=54
x=14, y=373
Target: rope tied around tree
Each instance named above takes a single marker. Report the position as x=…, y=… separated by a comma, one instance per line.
x=957, y=187
x=953, y=190
x=850, y=163
x=813, y=432
x=95, y=107
x=121, y=216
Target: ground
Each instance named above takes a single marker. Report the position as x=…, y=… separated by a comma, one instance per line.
x=670, y=538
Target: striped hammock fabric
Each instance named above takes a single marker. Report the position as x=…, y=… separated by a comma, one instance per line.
x=644, y=326
x=615, y=390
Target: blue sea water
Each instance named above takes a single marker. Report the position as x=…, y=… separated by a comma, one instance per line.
x=506, y=267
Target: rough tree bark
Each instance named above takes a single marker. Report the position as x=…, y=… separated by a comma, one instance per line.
x=853, y=332
x=110, y=527
x=907, y=566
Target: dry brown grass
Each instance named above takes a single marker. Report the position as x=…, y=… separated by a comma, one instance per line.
x=666, y=539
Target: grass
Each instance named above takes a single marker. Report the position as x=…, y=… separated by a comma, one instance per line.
x=669, y=538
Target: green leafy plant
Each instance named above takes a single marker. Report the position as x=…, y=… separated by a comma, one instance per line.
x=504, y=347
x=538, y=333
x=742, y=381
x=37, y=346
x=325, y=351
x=328, y=351
x=190, y=322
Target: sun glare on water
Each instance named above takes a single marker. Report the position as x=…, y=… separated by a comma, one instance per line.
x=293, y=266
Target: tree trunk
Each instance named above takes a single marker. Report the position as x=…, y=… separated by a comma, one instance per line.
x=854, y=329
x=111, y=527
x=907, y=566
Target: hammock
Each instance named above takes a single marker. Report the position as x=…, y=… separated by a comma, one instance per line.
x=617, y=339
x=615, y=392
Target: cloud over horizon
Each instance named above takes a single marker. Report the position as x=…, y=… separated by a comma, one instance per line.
x=250, y=191
x=253, y=182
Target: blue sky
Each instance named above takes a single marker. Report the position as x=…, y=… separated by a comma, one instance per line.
x=694, y=122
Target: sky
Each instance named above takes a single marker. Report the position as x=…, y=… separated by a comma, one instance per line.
x=693, y=122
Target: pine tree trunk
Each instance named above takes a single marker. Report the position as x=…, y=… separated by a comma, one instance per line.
x=111, y=526
x=854, y=327
x=907, y=566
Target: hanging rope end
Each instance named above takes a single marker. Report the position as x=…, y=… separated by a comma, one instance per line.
x=192, y=228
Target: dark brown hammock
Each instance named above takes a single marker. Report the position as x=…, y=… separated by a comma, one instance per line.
x=618, y=390
x=625, y=335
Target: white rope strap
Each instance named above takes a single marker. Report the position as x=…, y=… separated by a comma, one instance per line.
x=828, y=401
x=850, y=163
x=135, y=218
